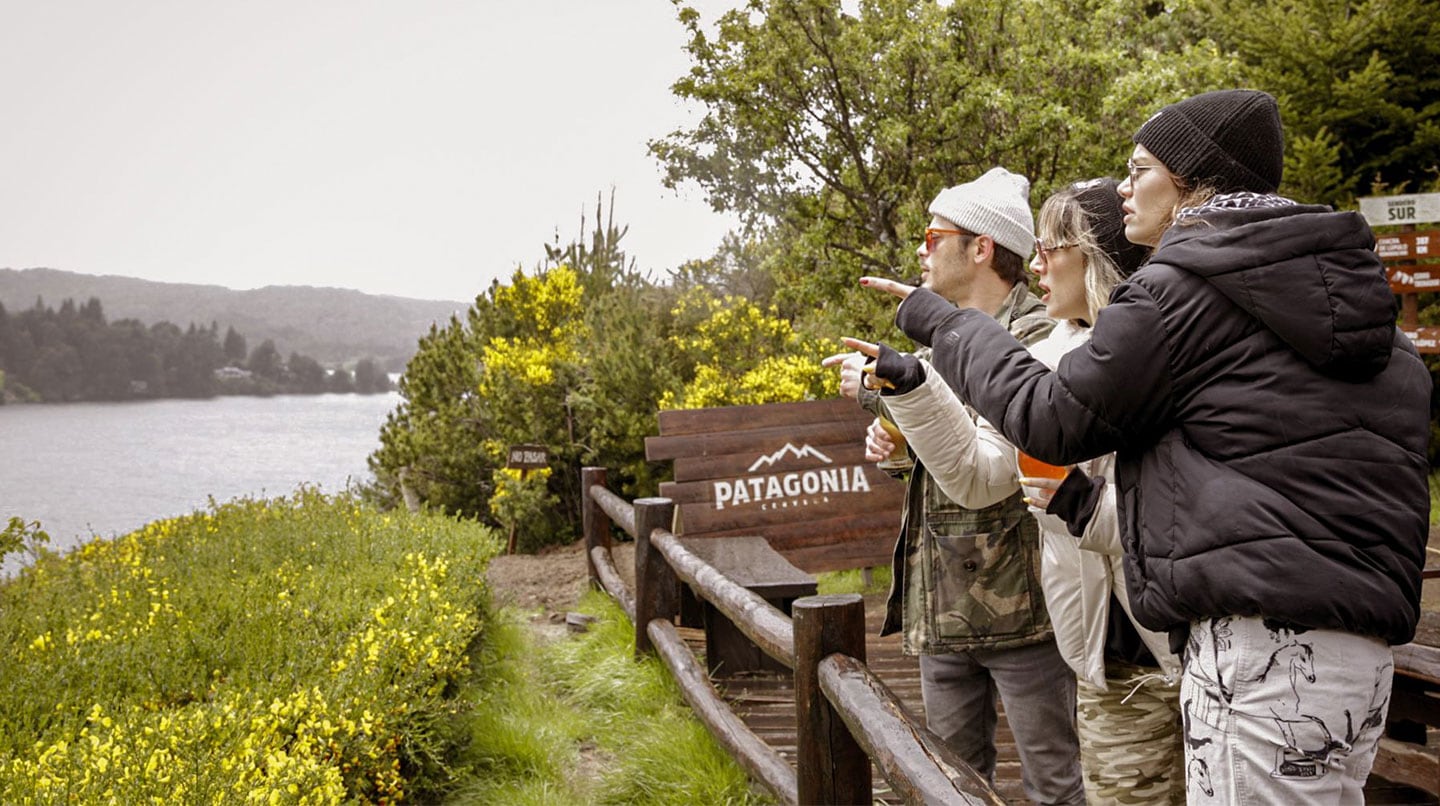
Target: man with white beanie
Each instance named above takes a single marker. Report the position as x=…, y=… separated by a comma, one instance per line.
x=966, y=587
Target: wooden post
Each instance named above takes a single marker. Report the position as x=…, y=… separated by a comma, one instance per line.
x=594, y=522
x=1409, y=303
x=831, y=767
x=510, y=544
x=657, y=589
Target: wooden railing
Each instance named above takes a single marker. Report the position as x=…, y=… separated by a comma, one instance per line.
x=845, y=716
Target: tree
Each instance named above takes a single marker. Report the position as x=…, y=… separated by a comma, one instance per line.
x=831, y=132
x=265, y=362
x=370, y=378
x=306, y=374
x=572, y=356
x=234, y=346
x=1360, y=110
x=340, y=380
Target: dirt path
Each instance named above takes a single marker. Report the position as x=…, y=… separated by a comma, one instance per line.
x=547, y=584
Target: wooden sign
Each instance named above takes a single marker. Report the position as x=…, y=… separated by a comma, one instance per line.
x=527, y=457
x=1413, y=279
x=1427, y=339
x=1413, y=208
x=1409, y=245
x=794, y=473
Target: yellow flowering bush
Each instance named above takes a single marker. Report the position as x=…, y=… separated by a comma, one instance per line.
x=290, y=651
x=744, y=355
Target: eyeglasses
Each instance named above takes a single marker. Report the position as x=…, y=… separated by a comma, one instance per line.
x=932, y=236
x=1044, y=251
x=1136, y=170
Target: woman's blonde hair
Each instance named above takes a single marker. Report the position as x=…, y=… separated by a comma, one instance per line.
x=1063, y=220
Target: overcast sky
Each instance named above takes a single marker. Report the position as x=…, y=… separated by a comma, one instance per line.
x=416, y=148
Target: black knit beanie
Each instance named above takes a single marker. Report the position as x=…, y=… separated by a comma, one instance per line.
x=1101, y=203
x=1229, y=139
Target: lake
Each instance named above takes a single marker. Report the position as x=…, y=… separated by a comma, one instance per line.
x=85, y=469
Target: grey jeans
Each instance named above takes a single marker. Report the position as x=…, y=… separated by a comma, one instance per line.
x=1038, y=691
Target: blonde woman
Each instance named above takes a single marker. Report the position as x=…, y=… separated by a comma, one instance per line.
x=1127, y=679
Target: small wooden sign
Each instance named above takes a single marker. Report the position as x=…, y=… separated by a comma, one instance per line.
x=527, y=457
x=1408, y=245
x=1413, y=279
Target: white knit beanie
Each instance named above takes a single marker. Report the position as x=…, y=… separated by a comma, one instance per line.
x=997, y=204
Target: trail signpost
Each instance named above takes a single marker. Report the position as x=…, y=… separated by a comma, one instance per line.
x=1411, y=257
x=527, y=457
x=524, y=458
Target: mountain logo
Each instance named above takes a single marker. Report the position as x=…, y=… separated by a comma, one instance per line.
x=789, y=450
x=790, y=488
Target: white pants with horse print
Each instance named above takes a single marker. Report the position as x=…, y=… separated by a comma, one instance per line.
x=1273, y=716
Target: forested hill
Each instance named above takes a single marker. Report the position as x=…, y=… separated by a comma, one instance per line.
x=332, y=325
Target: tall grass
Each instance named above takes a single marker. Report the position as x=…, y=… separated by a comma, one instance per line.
x=300, y=650
x=580, y=721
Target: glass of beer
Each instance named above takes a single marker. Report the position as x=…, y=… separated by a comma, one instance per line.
x=899, y=459
x=1030, y=467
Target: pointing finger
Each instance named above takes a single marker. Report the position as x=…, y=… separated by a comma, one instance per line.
x=888, y=286
x=865, y=347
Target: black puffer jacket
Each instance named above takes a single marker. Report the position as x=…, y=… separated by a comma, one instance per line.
x=1269, y=419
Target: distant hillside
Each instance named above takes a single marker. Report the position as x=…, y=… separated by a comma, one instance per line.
x=331, y=325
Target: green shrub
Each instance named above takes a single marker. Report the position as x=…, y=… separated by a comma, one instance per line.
x=303, y=649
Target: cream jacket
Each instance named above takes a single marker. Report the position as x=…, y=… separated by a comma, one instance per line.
x=975, y=466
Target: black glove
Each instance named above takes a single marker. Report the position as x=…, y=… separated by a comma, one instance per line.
x=1076, y=499
x=901, y=372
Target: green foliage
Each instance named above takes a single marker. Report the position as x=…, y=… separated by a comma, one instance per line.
x=1351, y=81
x=517, y=499
x=573, y=356
x=743, y=355
x=673, y=759
x=22, y=535
x=306, y=646
x=830, y=133
x=853, y=581
x=584, y=702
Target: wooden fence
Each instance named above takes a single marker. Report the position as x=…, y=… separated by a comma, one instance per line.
x=846, y=718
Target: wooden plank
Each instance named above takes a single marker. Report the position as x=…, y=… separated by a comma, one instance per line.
x=705, y=491
x=883, y=523
x=1415, y=765
x=751, y=563
x=1409, y=702
x=720, y=466
x=1408, y=245
x=851, y=554
x=1418, y=662
x=759, y=440
x=732, y=418
x=784, y=509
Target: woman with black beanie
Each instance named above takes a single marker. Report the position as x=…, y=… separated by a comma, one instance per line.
x=1270, y=425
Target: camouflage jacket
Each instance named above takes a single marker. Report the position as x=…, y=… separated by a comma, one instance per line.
x=968, y=578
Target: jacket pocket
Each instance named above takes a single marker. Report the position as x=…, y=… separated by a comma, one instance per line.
x=982, y=571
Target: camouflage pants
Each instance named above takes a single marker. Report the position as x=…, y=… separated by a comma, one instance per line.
x=1131, y=751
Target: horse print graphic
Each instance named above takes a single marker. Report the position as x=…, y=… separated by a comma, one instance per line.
x=1197, y=771
x=1310, y=746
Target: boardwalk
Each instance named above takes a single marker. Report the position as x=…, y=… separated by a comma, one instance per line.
x=766, y=702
